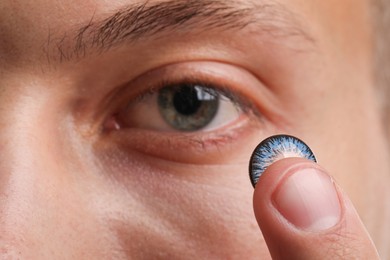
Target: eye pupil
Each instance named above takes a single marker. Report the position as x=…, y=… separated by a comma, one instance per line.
x=188, y=107
x=186, y=101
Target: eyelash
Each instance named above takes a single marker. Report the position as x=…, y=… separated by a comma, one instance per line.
x=223, y=80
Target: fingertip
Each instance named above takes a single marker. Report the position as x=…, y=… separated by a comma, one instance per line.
x=300, y=209
x=273, y=176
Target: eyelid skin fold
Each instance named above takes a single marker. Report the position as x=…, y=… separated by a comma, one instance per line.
x=234, y=84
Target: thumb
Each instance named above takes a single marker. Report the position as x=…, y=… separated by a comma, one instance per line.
x=304, y=215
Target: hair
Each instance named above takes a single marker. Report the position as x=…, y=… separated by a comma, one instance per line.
x=381, y=17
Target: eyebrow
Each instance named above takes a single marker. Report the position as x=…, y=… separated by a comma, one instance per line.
x=139, y=21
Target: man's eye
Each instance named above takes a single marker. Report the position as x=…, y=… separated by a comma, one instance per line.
x=183, y=107
x=186, y=112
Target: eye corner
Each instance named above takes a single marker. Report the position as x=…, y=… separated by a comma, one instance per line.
x=147, y=118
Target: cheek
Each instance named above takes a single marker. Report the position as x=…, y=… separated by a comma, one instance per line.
x=43, y=203
x=165, y=207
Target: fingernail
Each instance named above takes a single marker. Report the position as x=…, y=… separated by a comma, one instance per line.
x=307, y=198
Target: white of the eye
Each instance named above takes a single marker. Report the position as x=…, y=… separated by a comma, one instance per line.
x=145, y=114
x=227, y=113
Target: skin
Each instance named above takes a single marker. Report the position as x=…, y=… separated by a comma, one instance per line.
x=75, y=183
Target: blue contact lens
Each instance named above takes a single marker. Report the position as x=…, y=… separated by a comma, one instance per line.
x=273, y=149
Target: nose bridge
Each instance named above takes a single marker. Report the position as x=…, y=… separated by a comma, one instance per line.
x=26, y=130
x=28, y=151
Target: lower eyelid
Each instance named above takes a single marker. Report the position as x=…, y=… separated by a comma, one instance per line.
x=186, y=148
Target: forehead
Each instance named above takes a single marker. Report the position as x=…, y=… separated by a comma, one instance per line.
x=32, y=28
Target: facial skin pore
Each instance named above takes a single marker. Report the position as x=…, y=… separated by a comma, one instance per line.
x=84, y=176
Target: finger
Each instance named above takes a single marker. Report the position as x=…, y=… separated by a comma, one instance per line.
x=304, y=215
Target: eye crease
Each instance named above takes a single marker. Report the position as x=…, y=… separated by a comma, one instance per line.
x=273, y=149
x=187, y=111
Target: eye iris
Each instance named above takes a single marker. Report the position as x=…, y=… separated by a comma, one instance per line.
x=273, y=149
x=188, y=107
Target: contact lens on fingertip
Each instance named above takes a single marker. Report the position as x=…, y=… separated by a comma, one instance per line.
x=273, y=149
